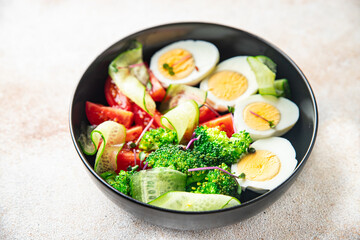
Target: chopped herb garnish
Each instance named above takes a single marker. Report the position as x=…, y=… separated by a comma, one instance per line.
x=242, y=175
x=169, y=69
x=149, y=86
x=271, y=123
x=231, y=109
x=132, y=145
x=252, y=150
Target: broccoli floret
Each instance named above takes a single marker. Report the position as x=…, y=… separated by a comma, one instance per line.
x=216, y=144
x=217, y=182
x=120, y=181
x=156, y=138
x=177, y=158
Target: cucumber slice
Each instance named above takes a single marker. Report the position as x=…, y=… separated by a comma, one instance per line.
x=183, y=119
x=132, y=81
x=282, y=88
x=113, y=137
x=185, y=201
x=147, y=185
x=84, y=139
x=264, y=76
x=268, y=62
x=177, y=94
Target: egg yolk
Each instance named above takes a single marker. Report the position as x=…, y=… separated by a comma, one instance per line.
x=180, y=64
x=227, y=85
x=259, y=166
x=257, y=116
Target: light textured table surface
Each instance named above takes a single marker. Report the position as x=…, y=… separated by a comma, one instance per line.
x=46, y=45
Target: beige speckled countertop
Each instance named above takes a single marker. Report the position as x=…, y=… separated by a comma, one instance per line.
x=46, y=45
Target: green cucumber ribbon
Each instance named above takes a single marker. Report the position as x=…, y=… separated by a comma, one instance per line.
x=107, y=139
x=130, y=75
x=183, y=119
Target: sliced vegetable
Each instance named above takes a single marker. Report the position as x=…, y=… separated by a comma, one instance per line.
x=282, y=88
x=206, y=114
x=268, y=62
x=142, y=118
x=114, y=97
x=185, y=201
x=97, y=113
x=125, y=158
x=264, y=76
x=147, y=185
x=133, y=133
x=157, y=92
x=225, y=123
x=183, y=119
x=85, y=139
x=108, y=138
x=131, y=81
x=179, y=93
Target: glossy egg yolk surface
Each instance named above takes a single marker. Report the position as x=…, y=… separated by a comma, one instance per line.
x=180, y=61
x=257, y=115
x=227, y=85
x=262, y=165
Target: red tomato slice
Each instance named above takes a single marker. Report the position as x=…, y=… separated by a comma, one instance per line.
x=225, y=123
x=125, y=159
x=97, y=113
x=114, y=97
x=157, y=91
x=133, y=134
x=142, y=118
x=206, y=114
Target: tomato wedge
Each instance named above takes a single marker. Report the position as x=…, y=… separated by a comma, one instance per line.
x=157, y=92
x=206, y=114
x=125, y=159
x=225, y=123
x=142, y=118
x=97, y=113
x=114, y=97
x=133, y=134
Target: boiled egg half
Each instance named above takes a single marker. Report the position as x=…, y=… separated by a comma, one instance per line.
x=231, y=81
x=271, y=164
x=184, y=62
x=265, y=116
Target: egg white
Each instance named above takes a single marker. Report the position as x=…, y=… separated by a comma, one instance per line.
x=236, y=64
x=205, y=54
x=283, y=149
x=289, y=114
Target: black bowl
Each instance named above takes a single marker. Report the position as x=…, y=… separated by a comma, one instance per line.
x=230, y=42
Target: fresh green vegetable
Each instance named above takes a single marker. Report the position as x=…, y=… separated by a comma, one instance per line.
x=177, y=158
x=216, y=144
x=179, y=93
x=217, y=182
x=268, y=62
x=185, y=201
x=130, y=76
x=147, y=185
x=120, y=181
x=107, y=139
x=156, y=138
x=85, y=141
x=264, y=76
x=169, y=69
x=282, y=88
x=231, y=109
x=183, y=119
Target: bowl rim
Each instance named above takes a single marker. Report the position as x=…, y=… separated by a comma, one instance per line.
x=300, y=164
